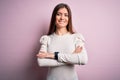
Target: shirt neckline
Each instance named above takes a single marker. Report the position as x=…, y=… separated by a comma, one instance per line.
x=68, y=33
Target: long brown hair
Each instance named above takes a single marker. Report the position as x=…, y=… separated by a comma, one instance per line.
x=52, y=27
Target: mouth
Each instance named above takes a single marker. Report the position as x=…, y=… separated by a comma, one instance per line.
x=61, y=22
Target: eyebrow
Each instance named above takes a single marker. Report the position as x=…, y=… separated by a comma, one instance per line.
x=61, y=13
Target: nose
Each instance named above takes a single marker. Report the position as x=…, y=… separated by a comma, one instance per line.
x=62, y=17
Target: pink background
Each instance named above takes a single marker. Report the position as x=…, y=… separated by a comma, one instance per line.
x=22, y=22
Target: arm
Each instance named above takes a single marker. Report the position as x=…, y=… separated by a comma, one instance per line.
x=49, y=62
x=73, y=58
x=79, y=58
x=43, y=61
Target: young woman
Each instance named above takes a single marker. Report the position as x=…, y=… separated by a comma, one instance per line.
x=61, y=48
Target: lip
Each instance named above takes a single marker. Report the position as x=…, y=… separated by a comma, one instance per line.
x=61, y=21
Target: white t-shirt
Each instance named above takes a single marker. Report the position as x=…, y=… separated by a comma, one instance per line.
x=63, y=68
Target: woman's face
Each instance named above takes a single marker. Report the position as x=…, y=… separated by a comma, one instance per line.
x=62, y=18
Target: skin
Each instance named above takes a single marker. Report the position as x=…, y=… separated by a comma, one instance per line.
x=61, y=23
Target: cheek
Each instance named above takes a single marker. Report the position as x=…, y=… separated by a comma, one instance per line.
x=56, y=21
x=57, y=18
x=67, y=19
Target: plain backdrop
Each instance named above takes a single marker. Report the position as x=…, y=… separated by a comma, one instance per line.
x=23, y=22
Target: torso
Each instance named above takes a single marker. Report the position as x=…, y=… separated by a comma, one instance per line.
x=63, y=44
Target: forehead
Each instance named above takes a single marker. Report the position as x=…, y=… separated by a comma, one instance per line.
x=62, y=10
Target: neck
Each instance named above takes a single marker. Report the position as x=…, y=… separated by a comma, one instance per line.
x=61, y=31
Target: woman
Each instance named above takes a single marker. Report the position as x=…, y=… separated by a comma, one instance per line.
x=61, y=48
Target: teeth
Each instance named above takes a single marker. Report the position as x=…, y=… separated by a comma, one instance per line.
x=61, y=21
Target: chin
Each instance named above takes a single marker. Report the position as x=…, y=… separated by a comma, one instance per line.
x=62, y=25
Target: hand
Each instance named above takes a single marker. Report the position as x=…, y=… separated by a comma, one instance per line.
x=41, y=54
x=78, y=50
x=45, y=55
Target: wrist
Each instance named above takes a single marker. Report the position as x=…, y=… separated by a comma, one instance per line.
x=50, y=55
x=56, y=55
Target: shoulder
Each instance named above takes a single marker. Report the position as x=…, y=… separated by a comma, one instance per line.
x=44, y=38
x=78, y=36
x=78, y=39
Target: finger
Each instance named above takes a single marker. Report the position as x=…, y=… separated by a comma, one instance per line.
x=41, y=52
x=79, y=47
x=37, y=55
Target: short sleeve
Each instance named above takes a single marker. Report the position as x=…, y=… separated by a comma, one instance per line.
x=79, y=40
x=44, y=40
